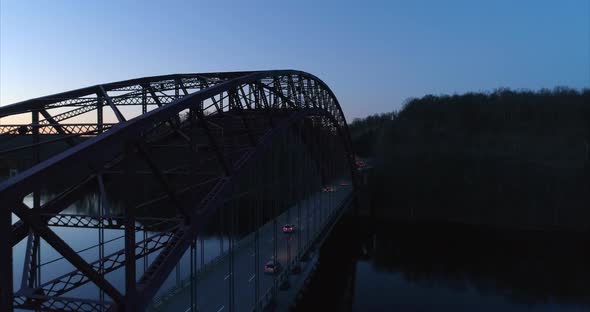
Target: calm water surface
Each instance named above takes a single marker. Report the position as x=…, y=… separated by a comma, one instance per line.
x=372, y=264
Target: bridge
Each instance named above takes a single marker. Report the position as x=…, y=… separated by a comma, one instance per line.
x=170, y=193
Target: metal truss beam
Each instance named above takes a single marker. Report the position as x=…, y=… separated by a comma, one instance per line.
x=76, y=278
x=63, y=304
x=66, y=251
x=284, y=97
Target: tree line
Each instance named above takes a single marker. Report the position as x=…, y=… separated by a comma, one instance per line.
x=508, y=157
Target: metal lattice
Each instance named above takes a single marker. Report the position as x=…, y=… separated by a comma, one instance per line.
x=132, y=129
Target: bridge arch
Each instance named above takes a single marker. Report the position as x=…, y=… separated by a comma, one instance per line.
x=283, y=98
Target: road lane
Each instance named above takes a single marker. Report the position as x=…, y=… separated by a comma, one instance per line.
x=213, y=284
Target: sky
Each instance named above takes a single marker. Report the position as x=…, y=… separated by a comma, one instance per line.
x=374, y=55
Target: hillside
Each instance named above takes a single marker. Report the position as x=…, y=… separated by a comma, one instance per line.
x=508, y=158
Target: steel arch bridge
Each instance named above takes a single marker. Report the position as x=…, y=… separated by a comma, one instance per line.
x=210, y=146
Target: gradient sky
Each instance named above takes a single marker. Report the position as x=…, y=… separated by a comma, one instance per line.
x=373, y=54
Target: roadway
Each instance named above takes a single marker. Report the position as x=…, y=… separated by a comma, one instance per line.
x=213, y=280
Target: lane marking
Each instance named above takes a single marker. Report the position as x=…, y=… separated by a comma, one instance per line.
x=222, y=307
x=251, y=278
x=226, y=277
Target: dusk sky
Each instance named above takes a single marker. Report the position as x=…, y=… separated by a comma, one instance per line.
x=373, y=54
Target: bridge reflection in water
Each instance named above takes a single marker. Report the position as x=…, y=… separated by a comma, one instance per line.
x=159, y=170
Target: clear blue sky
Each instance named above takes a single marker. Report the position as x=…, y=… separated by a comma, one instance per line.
x=373, y=54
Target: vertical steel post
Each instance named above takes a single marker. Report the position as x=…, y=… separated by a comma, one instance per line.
x=36, y=155
x=221, y=231
x=202, y=248
x=6, y=287
x=193, y=260
x=202, y=243
x=101, y=211
x=99, y=113
x=145, y=247
x=309, y=190
x=311, y=177
x=299, y=183
x=287, y=153
x=37, y=190
x=143, y=100
x=131, y=303
x=178, y=279
x=232, y=233
x=275, y=214
x=258, y=180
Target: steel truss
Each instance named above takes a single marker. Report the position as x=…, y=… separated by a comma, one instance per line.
x=225, y=120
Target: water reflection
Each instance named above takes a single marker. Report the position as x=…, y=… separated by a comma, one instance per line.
x=377, y=265
x=85, y=241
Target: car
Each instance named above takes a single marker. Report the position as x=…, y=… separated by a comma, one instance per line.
x=328, y=189
x=344, y=183
x=288, y=228
x=360, y=163
x=272, y=267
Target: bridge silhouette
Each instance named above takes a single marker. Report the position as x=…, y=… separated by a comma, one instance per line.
x=176, y=164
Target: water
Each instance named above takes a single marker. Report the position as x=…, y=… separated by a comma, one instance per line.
x=376, y=264
x=86, y=240
x=372, y=264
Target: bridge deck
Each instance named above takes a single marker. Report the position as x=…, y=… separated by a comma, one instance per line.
x=214, y=282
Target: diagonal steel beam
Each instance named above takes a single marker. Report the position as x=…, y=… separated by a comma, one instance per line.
x=153, y=94
x=71, y=113
x=279, y=92
x=141, y=148
x=219, y=109
x=173, y=122
x=110, y=263
x=234, y=97
x=213, y=141
x=103, y=94
x=181, y=85
x=22, y=211
x=245, y=97
x=261, y=94
x=57, y=127
x=54, y=206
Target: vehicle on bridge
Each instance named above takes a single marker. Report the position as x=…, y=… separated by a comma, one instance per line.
x=288, y=228
x=272, y=267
